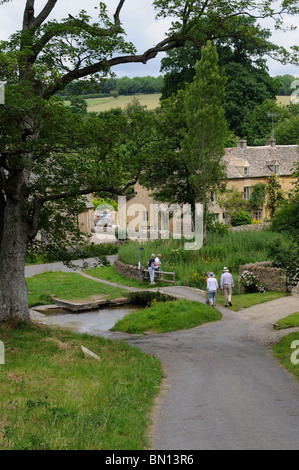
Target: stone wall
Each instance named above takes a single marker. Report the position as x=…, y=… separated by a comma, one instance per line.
x=272, y=278
x=254, y=227
x=129, y=271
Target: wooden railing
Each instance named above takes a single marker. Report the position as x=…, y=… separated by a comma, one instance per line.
x=159, y=276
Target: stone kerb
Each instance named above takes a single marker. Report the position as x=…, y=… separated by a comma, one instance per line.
x=274, y=279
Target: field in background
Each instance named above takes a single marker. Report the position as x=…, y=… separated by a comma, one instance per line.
x=104, y=104
x=283, y=100
x=152, y=101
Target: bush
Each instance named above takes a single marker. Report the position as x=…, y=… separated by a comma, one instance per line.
x=241, y=218
x=251, y=282
x=148, y=298
x=284, y=253
x=218, y=227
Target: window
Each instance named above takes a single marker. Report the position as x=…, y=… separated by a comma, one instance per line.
x=247, y=171
x=213, y=196
x=247, y=192
x=258, y=215
x=274, y=168
x=225, y=218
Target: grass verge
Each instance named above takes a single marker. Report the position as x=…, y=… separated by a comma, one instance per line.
x=290, y=321
x=288, y=353
x=67, y=286
x=54, y=398
x=168, y=316
x=241, y=301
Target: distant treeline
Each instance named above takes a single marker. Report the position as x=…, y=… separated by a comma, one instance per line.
x=144, y=85
x=121, y=86
x=287, y=81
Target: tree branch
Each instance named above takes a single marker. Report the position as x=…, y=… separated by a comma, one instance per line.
x=38, y=21
x=117, y=12
x=28, y=14
x=40, y=201
x=165, y=45
x=67, y=26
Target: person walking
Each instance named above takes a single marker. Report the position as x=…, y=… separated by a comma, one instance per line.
x=151, y=268
x=212, y=289
x=207, y=297
x=227, y=285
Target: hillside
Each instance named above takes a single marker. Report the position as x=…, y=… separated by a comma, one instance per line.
x=103, y=104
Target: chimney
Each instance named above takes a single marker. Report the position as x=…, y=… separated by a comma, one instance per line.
x=242, y=144
x=272, y=142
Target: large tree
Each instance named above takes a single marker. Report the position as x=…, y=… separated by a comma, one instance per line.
x=187, y=161
x=243, y=60
x=47, y=156
x=203, y=145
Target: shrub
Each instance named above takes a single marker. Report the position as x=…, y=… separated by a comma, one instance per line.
x=285, y=254
x=241, y=218
x=148, y=298
x=251, y=282
x=218, y=227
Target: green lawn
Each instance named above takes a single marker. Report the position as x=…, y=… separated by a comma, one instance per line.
x=241, y=301
x=168, y=316
x=54, y=398
x=290, y=321
x=287, y=352
x=67, y=286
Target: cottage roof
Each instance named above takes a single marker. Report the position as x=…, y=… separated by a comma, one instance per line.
x=88, y=202
x=261, y=160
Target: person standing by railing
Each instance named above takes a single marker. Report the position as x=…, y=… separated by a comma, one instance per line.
x=151, y=268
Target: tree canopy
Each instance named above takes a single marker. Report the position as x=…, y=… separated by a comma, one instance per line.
x=244, y=64
x=192, y=130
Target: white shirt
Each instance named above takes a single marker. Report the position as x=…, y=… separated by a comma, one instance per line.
x=212, y=283
x=226, y=278
x=157, y=263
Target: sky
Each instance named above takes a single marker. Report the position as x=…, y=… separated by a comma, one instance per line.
x=138, y=19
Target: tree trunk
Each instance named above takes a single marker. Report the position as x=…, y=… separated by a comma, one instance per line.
x=13, y=248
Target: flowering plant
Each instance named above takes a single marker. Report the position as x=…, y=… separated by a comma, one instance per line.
x=251, y=282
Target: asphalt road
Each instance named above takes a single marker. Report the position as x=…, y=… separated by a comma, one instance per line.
x=224, y=390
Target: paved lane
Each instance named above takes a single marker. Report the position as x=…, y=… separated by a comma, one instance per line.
x=224, y=390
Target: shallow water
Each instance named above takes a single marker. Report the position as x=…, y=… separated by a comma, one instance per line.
x=89, y=322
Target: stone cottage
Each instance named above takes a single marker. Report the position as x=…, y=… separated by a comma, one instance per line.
x=246, y=166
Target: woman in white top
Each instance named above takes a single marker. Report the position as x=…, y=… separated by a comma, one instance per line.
x=212, y=289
